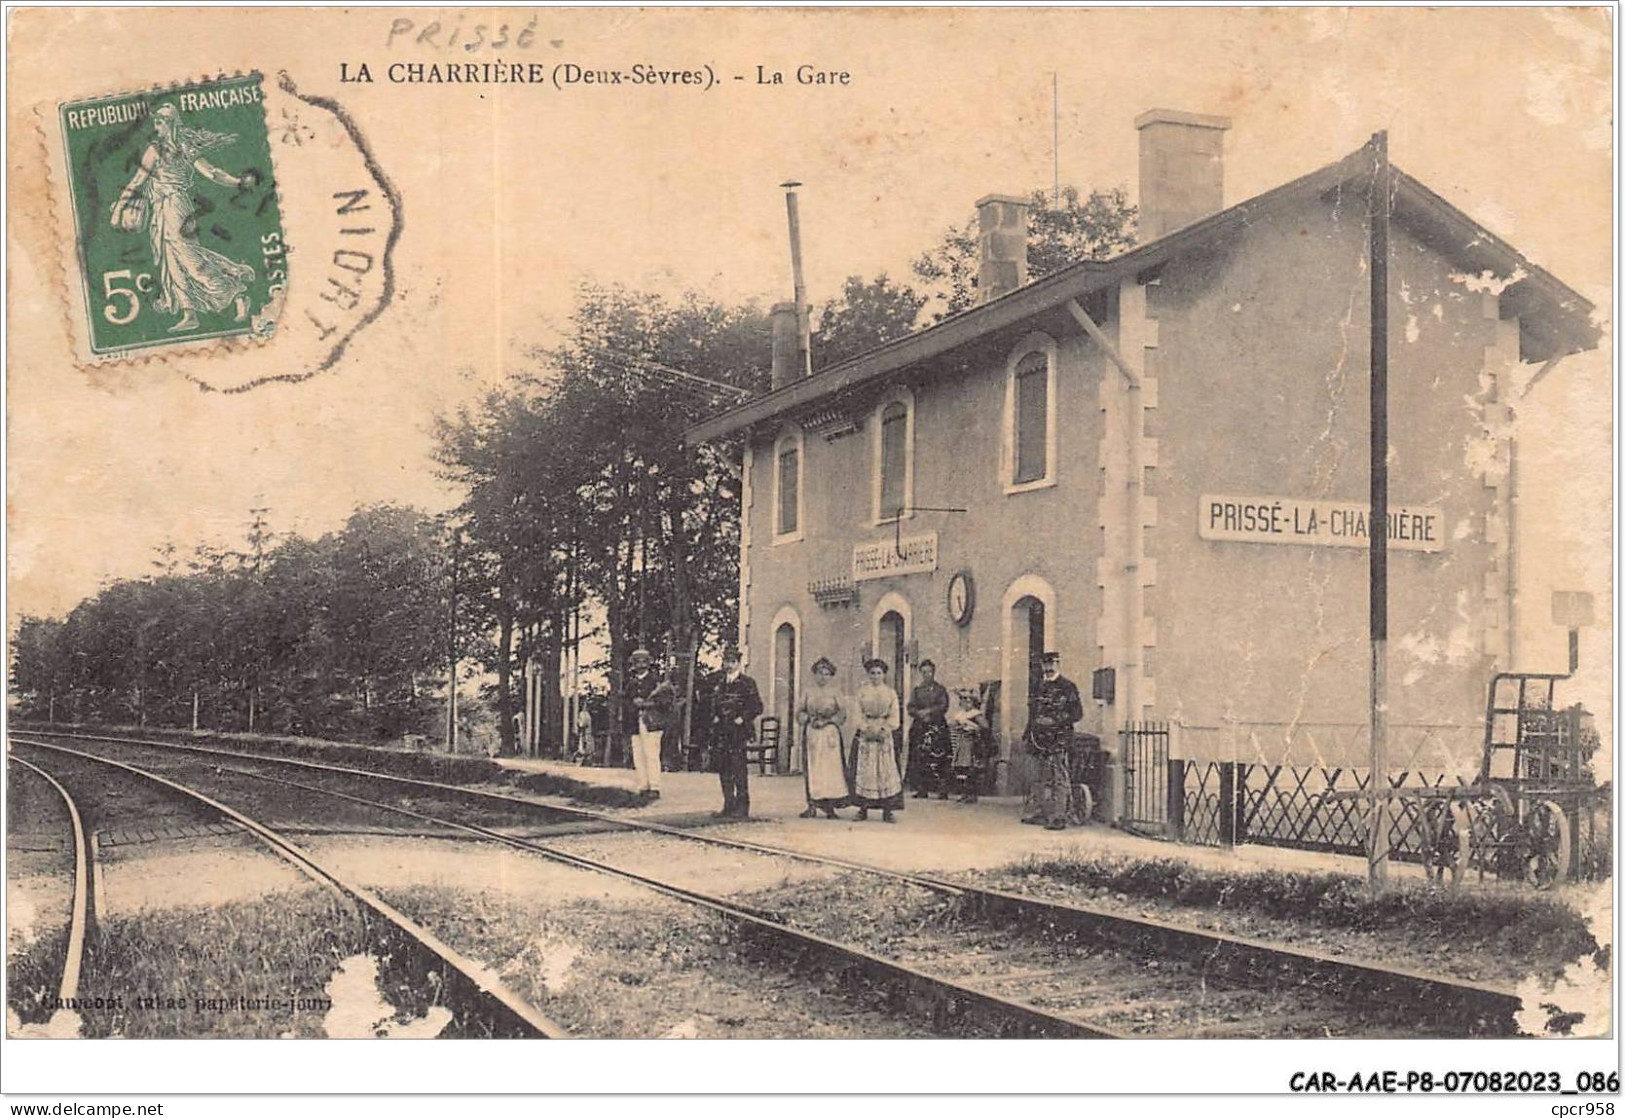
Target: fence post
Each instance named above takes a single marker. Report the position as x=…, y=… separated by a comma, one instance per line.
x=1227, y=803
x=1176, y=798
x=1239, y=787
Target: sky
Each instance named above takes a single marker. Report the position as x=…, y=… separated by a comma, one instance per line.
x=513, y=195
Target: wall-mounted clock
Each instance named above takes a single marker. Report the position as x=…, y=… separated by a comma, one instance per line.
x=961, y=598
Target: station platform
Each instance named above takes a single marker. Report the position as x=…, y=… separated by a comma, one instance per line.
x=941, y=836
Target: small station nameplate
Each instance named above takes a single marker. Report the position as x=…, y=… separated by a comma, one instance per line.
x=909, y=555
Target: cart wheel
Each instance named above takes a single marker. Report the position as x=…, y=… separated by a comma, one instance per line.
x=1505, y=851
x=1447, y=833
x=1083, y=804
x=1546, y=831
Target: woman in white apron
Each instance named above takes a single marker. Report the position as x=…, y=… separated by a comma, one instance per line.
x=821, y=714
x=876, y=781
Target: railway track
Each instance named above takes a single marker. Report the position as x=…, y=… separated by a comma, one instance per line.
x=79, y=915
x=480, y=1005
x=950, y=1008
x=1223, y=959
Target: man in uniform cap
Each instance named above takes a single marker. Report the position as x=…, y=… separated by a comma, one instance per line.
x=735, y=706
x=1056, y=707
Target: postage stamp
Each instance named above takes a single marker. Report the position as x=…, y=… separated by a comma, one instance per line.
x=177, y=223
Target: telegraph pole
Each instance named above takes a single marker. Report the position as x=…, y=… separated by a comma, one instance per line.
x=1377, y=836
x=451, y=693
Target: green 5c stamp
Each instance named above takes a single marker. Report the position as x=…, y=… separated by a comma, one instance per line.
x=177, y=226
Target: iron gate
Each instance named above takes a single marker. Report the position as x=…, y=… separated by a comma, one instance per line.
x=1145, y=776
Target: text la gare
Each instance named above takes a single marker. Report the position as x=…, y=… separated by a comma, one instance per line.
x=805, y=74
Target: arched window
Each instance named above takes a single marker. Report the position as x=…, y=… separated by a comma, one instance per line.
x=788, y=467
x=894, y=457
x=1029, y=430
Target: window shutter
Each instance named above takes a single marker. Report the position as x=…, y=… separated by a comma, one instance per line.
x=789, y=491
x=893, y=459
x=1032, y=418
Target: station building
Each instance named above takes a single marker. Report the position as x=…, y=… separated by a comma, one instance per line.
x=1162, y=465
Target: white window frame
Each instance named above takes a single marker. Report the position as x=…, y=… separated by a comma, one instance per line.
x=1032, y=343
x=905, y=396
x=790, y=436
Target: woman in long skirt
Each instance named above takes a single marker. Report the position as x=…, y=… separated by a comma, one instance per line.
x=821, y=714
x=929, y=751
x=875, y=779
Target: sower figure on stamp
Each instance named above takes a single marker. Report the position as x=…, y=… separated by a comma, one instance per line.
x=1056, y=707
x=191, y=278
x=929, y=752
x=650, y=700
x=735, y=706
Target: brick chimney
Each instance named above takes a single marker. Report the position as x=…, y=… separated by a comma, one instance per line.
x=787, y=365
x=1003, y=222
x=1181, y=169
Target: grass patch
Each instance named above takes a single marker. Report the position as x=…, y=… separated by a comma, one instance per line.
x=34, y=976
x=440, y=768
x=198, y=971
x=1512, y=925
x=648, y=968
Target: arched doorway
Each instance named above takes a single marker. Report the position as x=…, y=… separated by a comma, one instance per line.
x=1029, y=631
x=782, y=697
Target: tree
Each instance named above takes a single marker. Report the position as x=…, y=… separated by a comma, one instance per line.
x=41, y=664
x=579, y=483
x=278, y=637
x=658, y=545
x=1094, y=228
x=522, y=469
x=868, y=314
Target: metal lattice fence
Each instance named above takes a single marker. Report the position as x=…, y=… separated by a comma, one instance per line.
x=1324, y=808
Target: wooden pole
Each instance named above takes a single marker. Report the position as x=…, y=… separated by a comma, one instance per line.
x=1377, y=838
x=688, y=697
x=451, y=691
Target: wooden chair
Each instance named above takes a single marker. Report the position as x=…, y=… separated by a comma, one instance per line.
x=765, y=748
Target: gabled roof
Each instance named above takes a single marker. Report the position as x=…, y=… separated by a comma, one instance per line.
x=1555, y=319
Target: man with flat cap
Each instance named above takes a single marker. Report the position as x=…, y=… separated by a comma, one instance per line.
x=735, y=706
x=1056, y=708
